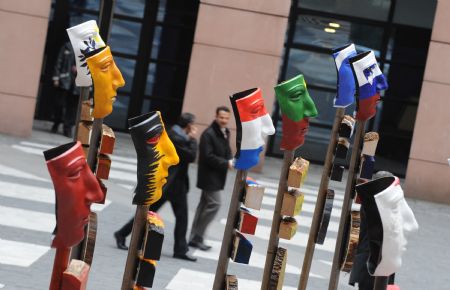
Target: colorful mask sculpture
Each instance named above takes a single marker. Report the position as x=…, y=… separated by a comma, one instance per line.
x=296, y=108
x=76, y=189
x=370, y=81
x=253, y=125
x=345, y=80
x=389, y=220
x=155, y=154
x=84, y=38
x=107, y=79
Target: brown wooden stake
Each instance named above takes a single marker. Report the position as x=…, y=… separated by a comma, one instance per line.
x=84, y=94
x=137, y=236
x=228, y=235
x=320, y=203
x=380, y=283
x=346, y=204
x=59, y=266
x=288, y=157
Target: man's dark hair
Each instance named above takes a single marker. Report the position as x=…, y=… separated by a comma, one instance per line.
x=185, y=119
x=222, y=108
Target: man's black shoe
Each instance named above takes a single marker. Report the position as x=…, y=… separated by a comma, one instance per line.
x=200, y=246
x=120, y=241
x=186, y=257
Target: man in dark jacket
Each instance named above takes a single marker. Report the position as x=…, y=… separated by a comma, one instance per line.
x=182, y=136
x=66, y=99
x=214, y=161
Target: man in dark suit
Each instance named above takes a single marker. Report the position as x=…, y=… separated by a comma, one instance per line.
x=175, y=191
x=214, y=161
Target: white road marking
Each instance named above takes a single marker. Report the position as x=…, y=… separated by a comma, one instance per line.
x=257, y=260
x=268, y=214
x=188, y=279
x=124, y=159
x=19, y=253
x=38, y=145
x=309, y=193
x=122, y=175
x=39, y=194
x=30, y=150
x=6, y=170
x=127, y=186
x=27, y=219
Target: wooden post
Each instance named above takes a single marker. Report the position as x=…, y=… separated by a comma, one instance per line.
x=346, y=205
x=228, y=235
x=84, y=94
x=140, y=221
x=320, y=202
x=288, y=157
x=380, y=283
x=59, y=266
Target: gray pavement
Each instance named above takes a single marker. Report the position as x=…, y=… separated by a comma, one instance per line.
x=26, y=221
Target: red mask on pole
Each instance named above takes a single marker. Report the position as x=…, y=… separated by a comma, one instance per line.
x=76, y=188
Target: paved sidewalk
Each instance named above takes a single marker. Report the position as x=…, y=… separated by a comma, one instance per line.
x=26, y=222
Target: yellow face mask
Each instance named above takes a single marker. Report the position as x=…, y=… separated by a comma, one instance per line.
x=107, y=79
x=155, y=154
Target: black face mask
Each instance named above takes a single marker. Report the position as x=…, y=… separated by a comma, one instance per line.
x=145, y=132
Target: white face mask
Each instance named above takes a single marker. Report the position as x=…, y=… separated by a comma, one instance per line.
x=84, y=37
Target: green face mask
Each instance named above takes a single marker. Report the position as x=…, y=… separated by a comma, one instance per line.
x=294, y=99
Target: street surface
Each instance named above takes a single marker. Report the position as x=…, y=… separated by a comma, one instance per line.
x=27, y=221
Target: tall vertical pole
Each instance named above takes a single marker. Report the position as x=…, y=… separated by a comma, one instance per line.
x=140, y=220
x=321, y=196
x=227, y=242
x=346, y=204
x=288, y=157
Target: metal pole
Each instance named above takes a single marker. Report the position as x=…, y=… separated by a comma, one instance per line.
x=288, y=157
x=140, y=221
x=225, y=250
x=346, y=204
x=322, y=193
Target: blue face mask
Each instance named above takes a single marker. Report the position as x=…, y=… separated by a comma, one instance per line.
x=248, y=158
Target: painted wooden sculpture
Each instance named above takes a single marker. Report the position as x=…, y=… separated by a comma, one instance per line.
x=76, y=188
x=370, y=81
x=343, y=126
x=296, y=107
x=155, y=154
x=253, y=125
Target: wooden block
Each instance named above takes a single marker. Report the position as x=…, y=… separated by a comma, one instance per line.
x=350, y=241
x=297, y=172
x=104, y=190
x=346, y=127
x=84, y=132
x=75, y=276
x=337, y=172
x=342, y=148
x=242, y=249
x=107, y=141
x=367, y=167
x=86, y=112
x=288, y=228
x=103, y=166
x=247, y=222
x=154, y=238
x=231, y=282
x=325, y=219
x=370, y=143
x=279, y=266
x=292, y=202
x=145, y=273
x=253, y=196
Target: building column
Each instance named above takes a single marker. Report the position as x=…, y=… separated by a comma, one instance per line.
x=428, y=173
x=23, y=30
x=238, y=45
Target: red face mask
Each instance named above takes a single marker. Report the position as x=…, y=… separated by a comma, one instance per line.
x=293, y=133
x=76, y=189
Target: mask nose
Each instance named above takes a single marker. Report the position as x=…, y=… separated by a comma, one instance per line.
x=94, y=192
x=118, y=80
x=267, y=126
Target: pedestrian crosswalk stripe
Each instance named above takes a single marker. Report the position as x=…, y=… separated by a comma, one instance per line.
x=38, y=145
x=127, y=186
x=189, y=279
x=124, y=159
x=309, y=193
x=26, y=219
x=122, y=175
x=31, y=150
x=6, y=170
x=123, y=166
x=39, y=194
x=20, y=254
x=306, y=207
x=257, y=260
x=310, y=200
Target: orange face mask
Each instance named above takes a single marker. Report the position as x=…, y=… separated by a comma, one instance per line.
x=106, y=78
